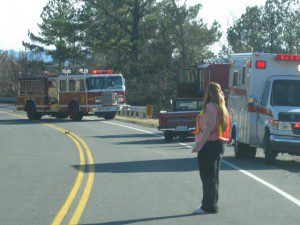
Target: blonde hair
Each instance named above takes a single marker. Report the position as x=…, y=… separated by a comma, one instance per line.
x=213, y=94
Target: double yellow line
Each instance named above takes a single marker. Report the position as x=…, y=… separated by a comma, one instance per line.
x=82, y=167
x=90, y=168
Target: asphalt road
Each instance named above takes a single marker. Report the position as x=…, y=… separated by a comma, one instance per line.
x=111, y=172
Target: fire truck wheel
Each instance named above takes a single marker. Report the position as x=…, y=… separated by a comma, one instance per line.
x=74, y=112
x=38, y=116
x=168, y=136
x=270, y=153
x=251, y=152
x=32, y=114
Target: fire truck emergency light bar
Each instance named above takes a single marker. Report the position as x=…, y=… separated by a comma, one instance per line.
x=286, y=57
x=102, y=72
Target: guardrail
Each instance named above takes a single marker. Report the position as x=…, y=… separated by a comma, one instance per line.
x=8, y=100
x=133, y=111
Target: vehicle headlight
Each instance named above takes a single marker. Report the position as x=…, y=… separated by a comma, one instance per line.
x=284, y=125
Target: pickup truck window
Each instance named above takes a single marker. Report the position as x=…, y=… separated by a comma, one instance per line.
x=188, y=104
x=286, y=93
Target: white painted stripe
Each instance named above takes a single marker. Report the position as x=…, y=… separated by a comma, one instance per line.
x=132, y=128
x=271, y=186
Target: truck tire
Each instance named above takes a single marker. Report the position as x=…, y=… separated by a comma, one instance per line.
x=182, y=137
x=239, y=150
x=168, y=135
x=32, y=114
x=270, y=153
x=251, y=152
x=109, y=116
x=74, y=112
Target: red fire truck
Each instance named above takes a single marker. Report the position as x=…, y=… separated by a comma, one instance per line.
x=100, y=92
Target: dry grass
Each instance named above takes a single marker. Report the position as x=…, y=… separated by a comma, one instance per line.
x=145, y=122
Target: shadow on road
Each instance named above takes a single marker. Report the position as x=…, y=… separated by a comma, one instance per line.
x=183, y=165
x=138, y=135
x=143, y=142
x=161, y=165
x=259, y=164
x=144, y=219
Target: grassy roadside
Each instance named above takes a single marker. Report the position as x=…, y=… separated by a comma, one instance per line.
x=144, y=122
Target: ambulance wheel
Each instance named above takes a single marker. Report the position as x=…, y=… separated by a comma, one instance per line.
x=270, y=153
x=32, y=114
x=74, y=112
x=239, y=150
x=109, y=116
x=168, y=136
x=251, y=152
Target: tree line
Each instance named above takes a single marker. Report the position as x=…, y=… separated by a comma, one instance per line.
x=148, y=41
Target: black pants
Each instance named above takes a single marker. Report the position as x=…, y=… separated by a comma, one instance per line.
x=209, y=160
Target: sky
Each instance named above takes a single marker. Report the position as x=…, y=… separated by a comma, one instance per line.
x=19, y=16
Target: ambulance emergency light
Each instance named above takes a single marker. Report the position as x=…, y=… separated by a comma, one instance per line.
x=260, y=64
x=102, y=72
x=286, y=57
x=296, y=125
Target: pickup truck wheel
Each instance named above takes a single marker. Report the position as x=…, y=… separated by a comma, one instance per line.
x=109, y=116
x=182, y=137
x=74, y=112
x=239, y=149
x=251, y=152
x=168, y=136
x=270, y=153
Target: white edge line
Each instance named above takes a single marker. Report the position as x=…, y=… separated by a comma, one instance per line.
x=271, y=186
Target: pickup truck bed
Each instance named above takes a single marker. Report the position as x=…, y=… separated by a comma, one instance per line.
x=178, y=123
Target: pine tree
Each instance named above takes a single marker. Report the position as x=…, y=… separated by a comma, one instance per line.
x=59, y=33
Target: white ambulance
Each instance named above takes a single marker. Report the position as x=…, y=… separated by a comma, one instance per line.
x=264, y=104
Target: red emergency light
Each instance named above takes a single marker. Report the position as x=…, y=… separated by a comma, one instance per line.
x=286, y=57
x=296, y=125
x=102, y=72
x=260, y=64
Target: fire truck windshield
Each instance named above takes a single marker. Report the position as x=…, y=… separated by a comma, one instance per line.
x=286, y=93
x=109, y=82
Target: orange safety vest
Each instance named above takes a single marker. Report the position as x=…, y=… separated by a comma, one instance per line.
x=223, y=135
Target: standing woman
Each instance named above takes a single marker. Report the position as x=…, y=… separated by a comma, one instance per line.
x=211, y=132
